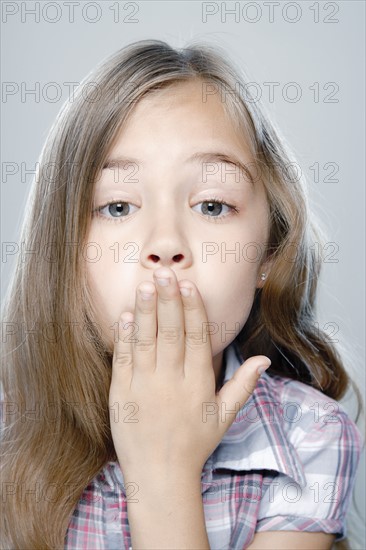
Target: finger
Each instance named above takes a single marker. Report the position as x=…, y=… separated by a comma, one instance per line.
x=198, y=350
x=170, y=318
x=236, y=392
x=122, y=362
x=144, y=349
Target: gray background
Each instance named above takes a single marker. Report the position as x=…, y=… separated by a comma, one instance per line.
x=296, y=45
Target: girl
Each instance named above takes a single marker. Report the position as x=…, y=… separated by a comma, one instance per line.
x=173, y=264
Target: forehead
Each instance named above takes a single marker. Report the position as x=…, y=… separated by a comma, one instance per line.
x=199, y=88
x=182, y=114
x=197, y=95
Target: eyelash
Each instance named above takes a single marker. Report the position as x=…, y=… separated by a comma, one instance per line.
x=215, y=219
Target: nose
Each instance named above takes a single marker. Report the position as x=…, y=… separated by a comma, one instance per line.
x=166, y=246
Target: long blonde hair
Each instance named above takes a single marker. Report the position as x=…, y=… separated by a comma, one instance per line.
x=56, y=435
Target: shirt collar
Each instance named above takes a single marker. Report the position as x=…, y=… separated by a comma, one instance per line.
x=257, y=438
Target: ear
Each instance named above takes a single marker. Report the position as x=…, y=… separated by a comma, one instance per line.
x=264, y=268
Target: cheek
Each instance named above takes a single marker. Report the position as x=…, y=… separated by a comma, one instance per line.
x=105, y=285
x=228, y=304
x=100, y=296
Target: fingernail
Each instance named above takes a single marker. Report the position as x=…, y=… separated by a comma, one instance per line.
x=262, y=368
x=146, y=295
x=185, y=291
x=126, y=317
x=146, y=291
x=163, y=282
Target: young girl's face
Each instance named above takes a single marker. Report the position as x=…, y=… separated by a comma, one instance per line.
x=166, y=214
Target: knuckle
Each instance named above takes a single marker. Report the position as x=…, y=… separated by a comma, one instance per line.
x=246, y=385
x=191, y=307
x=145, y=344
x=121, y=359
x=194, y=338
x=166, y=300
x=171, y=335
x=147, y=307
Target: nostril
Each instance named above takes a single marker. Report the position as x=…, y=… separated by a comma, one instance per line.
x=176, y=258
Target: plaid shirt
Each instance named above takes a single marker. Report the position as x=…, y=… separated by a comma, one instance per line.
x=287, y=462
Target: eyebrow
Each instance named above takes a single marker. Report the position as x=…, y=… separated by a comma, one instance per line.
x=200, y=156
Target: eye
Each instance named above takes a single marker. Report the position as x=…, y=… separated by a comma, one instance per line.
x=117, y=210
x=215, y=206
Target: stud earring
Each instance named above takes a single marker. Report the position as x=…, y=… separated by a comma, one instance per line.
x=263, y=276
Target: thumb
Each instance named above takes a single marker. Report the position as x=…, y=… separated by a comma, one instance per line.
x=236, y=392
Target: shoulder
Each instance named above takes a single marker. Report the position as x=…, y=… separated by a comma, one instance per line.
x=322, y=437
x=306, y=413
x=325, y=446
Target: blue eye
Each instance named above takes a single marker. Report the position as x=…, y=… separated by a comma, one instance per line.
x=119, y=210
x=216, y=205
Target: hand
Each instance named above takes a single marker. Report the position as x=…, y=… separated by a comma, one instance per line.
x=163, y=383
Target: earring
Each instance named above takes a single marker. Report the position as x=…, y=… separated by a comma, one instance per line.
x=263, y=276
